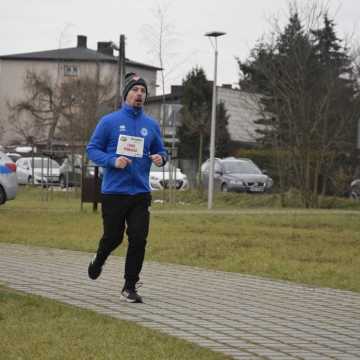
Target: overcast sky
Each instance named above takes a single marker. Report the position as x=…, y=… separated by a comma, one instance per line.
x=36, y=25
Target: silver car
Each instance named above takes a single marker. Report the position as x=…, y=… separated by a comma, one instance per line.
x=8, y=180
x=236, y=174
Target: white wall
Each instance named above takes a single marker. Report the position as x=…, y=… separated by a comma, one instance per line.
x=243, y=109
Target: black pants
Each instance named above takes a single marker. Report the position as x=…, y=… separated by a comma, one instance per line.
x=132, y=212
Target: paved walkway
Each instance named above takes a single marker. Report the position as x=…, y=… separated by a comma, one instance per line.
x=243, y=316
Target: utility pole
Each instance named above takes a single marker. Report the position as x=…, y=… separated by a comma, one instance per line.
x=121, y=70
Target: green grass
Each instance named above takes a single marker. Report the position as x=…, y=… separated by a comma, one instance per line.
x=322, y=249
x=316, y=247
x=34, y=328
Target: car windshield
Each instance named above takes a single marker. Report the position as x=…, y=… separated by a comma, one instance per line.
x=45, y=163
x=13, y=157
x=241, y=167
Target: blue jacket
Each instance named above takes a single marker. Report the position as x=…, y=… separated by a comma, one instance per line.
x=134, y=178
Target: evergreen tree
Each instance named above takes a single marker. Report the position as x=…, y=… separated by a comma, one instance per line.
x=194, y=132
x=222, y=138
x=338, y=82
x=308, y=94
x=196, y=101
x=329, y=50
x=335, y=69
x=253, y=78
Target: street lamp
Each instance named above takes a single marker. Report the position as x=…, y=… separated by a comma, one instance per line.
x=215, y=35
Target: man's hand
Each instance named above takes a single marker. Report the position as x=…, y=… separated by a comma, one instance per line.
x=122, y=162
x=157, y=159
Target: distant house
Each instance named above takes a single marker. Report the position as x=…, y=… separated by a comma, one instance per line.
x=243, y=110
x=241, y=106
x=166, y=109
x=61, y=64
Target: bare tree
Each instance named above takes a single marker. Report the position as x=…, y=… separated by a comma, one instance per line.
x=2, y=130
x=159, y=36
x=68, y=110
x=37, y=115
x=163, y=41
x=84, y=101
x=196, y=125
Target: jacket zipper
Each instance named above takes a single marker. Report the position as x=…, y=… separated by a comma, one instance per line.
x=132, y=168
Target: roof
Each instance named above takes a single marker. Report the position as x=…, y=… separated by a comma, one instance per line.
x=73, y=54
x=175, y=95
x=160, y=98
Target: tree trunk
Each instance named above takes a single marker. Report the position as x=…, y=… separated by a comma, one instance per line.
x=51, y=133
x=315, y=192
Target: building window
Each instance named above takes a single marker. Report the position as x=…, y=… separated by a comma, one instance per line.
x=71, y=70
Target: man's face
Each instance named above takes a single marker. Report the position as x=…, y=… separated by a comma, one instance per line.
x=136, y=96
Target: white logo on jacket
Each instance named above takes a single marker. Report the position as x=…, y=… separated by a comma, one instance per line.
x=143, y=132
x=122, y=128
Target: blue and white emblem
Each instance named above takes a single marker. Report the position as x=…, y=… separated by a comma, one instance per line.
x=143, y=132
x=122, y=128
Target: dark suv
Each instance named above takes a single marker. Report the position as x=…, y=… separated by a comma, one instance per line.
x=236, y=174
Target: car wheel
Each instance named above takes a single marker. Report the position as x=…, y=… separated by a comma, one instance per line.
x=224, y=188
x=2, y=196
x=354, y=195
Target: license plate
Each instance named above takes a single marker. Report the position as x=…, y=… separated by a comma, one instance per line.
x=256, y=189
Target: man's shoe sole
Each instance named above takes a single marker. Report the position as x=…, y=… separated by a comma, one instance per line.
x=132, y=301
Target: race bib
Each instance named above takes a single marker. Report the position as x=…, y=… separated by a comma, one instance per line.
x=130, y=146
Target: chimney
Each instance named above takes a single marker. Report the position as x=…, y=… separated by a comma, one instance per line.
x=104, y=47
x=81, y=41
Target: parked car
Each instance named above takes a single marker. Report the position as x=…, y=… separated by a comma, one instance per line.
x=160, y=178
x=236, y=174
x=37, y=170
x=8, y=180
x=14, y=156
x=70, y=170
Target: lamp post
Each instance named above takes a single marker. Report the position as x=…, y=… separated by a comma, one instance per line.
x=215, y=35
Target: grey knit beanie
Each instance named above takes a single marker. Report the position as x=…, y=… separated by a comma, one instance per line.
x=132, y=79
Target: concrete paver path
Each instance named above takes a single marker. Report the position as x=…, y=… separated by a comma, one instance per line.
x=246, y=317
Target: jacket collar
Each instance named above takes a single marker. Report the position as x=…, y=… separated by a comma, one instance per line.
x=132, y=111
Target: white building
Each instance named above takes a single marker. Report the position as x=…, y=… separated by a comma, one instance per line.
x=243, y=109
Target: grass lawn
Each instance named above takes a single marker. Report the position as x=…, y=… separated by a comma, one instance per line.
x=316, y=247
x=35, y=328
x=248, y=234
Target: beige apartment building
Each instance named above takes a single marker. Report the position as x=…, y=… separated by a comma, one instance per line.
x=61, y=64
